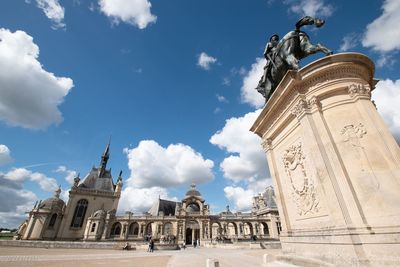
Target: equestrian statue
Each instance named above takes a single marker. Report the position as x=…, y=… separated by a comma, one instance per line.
x=285, y=54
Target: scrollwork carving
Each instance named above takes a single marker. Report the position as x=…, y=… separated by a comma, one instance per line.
x=359, y=89
x=267, y=145
x=304, y=105
x=303, y=190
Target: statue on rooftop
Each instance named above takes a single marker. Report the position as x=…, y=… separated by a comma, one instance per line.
x=285, y=54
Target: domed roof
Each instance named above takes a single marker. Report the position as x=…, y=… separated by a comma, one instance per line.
x=52, y=203
x=193, y=191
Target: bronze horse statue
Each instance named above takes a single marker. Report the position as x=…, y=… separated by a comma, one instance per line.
x=293, y=47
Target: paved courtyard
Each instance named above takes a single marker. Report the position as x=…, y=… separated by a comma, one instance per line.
x=196, y=257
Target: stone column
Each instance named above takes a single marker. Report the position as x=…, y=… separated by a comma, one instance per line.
x=105, y=231
x=335, y=166
x=124, y=233
x=272, y=227
x=141, y=229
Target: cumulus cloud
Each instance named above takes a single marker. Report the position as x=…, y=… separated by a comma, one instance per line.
x=245, y=166
x=54, y=11
x=205, y=61
x=387, y=97
x=15, y=201
x=155, y=169
x=5, y=156
x=313, y=8
x=248, y=92
x=134, y=12
x=29, y=95
x=349, y=42
x=178, y=164
x=246, y=160
x=242, y=197
x=383, y=33
x=20, y=175
x=69, y=174
x=141, y=199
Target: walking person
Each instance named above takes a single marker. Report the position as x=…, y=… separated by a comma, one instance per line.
x=151, y=245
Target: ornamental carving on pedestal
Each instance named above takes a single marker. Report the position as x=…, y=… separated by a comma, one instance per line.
x=303, y=190
x=305, y=105
x=359, y=89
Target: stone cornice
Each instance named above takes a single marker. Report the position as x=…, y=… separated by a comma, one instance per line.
x=332, y=69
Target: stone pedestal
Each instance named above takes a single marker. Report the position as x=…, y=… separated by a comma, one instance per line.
x=335, y=165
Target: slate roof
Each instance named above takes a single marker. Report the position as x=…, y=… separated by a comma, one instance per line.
x=162, y=206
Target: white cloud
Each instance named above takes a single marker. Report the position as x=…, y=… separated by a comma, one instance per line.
x=387, y=99
x=54, y=11
x=20, y=175
x=311, y=8
x=217, y=110
x=29, y=95
x=383, y=34
x=349, y=42
x=70, y=174
x=141, y=199
x=134, y=12
x=205, y=61
x=5, y=156
x=178, y=164
x=247, y=161
x=222, y=99
x=15, y=201
x=154, y=169
x=385, y=60
x=226, y=81
x=242, y=198
x=248, y=92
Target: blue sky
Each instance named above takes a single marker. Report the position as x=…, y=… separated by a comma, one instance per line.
x=170, y=81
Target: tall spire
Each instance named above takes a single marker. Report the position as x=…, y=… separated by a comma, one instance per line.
x=104, y=159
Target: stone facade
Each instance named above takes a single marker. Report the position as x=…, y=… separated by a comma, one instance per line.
x=334, y=163
x=90, y=215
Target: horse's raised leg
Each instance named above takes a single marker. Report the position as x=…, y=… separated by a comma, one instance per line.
x=310, y=49
x=324, y=49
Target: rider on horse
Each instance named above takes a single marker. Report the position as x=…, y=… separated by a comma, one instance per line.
x=285, y=55
x=270, y=48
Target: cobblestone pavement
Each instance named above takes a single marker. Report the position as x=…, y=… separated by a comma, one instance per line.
x=191, y=257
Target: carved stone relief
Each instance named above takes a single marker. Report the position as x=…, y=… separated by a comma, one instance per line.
x=352, y=134
x=359, y=89
x=304, y=193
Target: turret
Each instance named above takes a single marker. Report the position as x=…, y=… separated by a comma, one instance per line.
x=119, y=184
x=104, y=159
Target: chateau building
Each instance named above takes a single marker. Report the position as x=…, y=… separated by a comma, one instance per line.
x=90, y=214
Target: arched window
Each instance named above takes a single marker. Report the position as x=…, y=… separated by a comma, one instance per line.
x=133, y=229
x=79, y=214
x=116, y=229
x=52, y=220
x=265, y=230
x=93, y=227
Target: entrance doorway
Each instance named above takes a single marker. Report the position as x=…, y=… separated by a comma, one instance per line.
x=192, y=232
